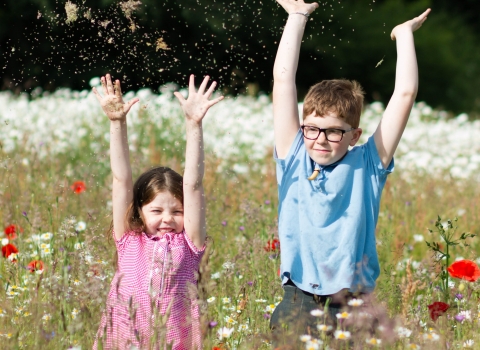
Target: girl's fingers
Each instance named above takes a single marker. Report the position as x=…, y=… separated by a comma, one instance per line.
x=130, y=103
x=215, y=101
x=109, y=84
x=202, y=87
x=118, y=89
x=97, y=95
x=104, y=85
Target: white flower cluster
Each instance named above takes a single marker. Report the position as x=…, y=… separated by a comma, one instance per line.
x=238, y=130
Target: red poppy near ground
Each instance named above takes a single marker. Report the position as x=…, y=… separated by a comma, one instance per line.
x=35, y=265
x=272, y=245
x=9, y=249
x=437, y=309
x=78, y=187
x=11, y=231
x=464, y=269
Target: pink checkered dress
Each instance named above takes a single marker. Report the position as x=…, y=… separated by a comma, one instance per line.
x=152, y=298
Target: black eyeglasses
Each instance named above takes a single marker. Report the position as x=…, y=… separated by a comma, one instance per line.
x=332, y=135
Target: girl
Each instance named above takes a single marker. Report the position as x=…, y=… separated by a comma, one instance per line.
x=159, y=231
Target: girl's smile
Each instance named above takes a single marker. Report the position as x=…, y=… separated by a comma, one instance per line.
x=163, y=214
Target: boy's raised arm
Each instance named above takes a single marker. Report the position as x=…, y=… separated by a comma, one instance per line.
x=116, y=110
x=391, y=127
x=195, y=107
x=285, y=104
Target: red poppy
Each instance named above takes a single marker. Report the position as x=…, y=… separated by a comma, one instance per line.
x=35, y=265
x=464, y=269
x=78, y=187
x=9, y=249
x=272, y=245
x=437, y=309
x=11, y=231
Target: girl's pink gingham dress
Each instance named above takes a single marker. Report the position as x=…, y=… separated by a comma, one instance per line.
x=155, y=283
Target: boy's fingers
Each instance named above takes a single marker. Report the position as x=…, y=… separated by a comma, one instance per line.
x=97, y=95
x=191, y=85
x=214, y=101
x=210, y=90
x=179, y=97
x=202, y=87
x=130, y=103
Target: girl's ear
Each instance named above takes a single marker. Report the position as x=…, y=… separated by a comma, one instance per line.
x=356, y=136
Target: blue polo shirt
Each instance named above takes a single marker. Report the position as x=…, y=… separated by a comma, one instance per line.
x=327, y=225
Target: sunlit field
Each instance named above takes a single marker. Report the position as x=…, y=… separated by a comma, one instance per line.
x=58, y=254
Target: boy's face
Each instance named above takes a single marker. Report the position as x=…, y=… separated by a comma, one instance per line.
x=325, y=152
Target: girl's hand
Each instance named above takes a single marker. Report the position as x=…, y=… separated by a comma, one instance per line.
x=292, y=6
x=112, y=102
x=197, y=104
x=411, y=25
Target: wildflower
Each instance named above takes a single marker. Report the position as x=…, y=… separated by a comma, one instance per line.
x=324, y=327
x=305, y=337
x=77, y=282
x=224, y=332
x=437, y=309
x=78, y=187
x=242, y=228
x=12, y=230
x=272, y=245
x=270, y=308
x=224, y=223
x=35, y=265
x=211, y=300
x=342, y=334
x=418, y=238
x=355, y=302
x=226, y=300
x=229, y=320
x=77, y=246
x=5, y=241
x=431, y=336
x=459, y=296
x=317, y=313
x=464, y=269
x=267, y=202
x=266, y=316
x=212, y=324
x=403, y=332
x=75, y=312
x=343, y=315
x=46, y=236
x=8, y=250
x=413, y=346
x=313, y=344
x=467, y=314
x=261, y=300
x=243, y=327
x=373, y=341
x=468, y=343
x=228, y=265
x=80, y=226
x=46, y=317
x=3, y=313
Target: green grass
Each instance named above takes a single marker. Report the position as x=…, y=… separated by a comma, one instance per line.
x=72, y=289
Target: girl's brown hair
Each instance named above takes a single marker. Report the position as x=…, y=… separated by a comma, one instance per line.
x=146, y=188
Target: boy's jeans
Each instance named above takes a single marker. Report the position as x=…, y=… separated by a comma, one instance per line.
x=292, y=317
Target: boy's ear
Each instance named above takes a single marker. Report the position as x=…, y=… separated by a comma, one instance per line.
x=356, y=136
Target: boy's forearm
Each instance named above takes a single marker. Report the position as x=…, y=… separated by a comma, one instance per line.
x=119, y=152
x=406, y=79
x=194, y=156
x=286, y=61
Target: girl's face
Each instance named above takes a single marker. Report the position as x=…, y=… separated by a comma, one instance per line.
x=163, y=214
x=322, y=151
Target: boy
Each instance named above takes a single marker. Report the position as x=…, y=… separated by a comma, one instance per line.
x=330, y=195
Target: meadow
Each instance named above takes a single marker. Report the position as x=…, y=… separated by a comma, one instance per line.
x=58, y=254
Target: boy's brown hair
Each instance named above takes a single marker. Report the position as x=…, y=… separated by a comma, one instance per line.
x=343, y=97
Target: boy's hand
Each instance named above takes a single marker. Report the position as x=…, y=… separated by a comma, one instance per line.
x=197, y=104
x=411, y=25
x=292, y=6
x=112, y=102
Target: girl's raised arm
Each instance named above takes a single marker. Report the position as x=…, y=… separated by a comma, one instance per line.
x=116, y=110
x=195, y=107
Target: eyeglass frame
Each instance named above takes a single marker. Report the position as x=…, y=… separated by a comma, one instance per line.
x=320, y=130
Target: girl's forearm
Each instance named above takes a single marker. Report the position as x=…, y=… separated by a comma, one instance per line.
x=119, y=153
x=286, y=61
x=194, y=156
